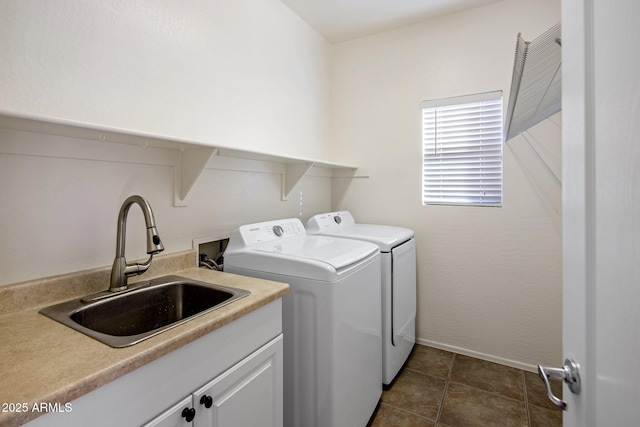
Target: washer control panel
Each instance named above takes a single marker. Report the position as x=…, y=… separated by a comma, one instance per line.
x=271, y=231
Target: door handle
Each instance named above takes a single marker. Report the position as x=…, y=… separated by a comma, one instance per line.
x=568, y=373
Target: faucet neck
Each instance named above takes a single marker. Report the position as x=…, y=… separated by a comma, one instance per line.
x=121, y=270
x=148, y=220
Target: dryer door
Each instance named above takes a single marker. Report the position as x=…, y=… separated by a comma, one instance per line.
x=403, y=294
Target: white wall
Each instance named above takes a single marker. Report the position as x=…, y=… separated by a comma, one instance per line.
x=250, y=74
x=59, y=210
x=243, y=73
x=489, y=278
x=246, y=74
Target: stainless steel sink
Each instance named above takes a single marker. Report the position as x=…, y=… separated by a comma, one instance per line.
x=125, y=318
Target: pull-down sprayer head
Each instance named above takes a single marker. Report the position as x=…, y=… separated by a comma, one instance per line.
x=154, y=245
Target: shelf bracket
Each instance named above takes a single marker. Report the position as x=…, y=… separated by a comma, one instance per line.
x=292, y=174
x=188, y=169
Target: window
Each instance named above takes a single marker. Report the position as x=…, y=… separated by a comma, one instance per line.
x=462, y=150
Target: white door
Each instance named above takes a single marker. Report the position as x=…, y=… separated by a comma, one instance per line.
x=601, y=209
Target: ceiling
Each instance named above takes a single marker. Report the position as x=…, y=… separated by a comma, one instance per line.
x=342, y=20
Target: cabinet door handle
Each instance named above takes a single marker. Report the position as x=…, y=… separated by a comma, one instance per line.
x=207, y=401
x=188, y=414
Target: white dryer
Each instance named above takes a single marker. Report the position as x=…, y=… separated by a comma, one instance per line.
x=331, y=318
x=398, y=253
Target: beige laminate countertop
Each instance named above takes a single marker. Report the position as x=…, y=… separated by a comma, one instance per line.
x=43, y=361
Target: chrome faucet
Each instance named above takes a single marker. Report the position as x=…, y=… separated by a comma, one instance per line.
x=121, y=270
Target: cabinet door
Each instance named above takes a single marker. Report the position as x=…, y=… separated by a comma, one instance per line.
x=172, y=417
x=248, y=394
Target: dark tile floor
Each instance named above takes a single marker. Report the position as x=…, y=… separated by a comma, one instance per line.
x=442, y=389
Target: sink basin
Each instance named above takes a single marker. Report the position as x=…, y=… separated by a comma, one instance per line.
x=126, y=318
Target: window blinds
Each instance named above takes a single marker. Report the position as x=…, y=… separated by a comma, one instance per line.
x=462, y=150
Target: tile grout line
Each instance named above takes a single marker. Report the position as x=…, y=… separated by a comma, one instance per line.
x=408, y=411
x=526, y=399
x=493, y=393
x=430, y=376
x=446, y=386
x=419, y=372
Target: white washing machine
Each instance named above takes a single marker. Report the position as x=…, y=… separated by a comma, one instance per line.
x=331, y=318
x=398, y=253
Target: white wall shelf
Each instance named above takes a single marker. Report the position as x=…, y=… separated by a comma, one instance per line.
x=536, y=82
x=189, y=158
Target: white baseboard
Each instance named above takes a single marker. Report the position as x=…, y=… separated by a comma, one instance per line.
x=478, y=355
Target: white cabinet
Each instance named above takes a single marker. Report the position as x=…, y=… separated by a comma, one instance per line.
x=248, y=394
x=239, y=365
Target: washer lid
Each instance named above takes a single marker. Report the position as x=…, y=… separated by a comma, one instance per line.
x=335, y=252
x=292, y=252
x=385, y=236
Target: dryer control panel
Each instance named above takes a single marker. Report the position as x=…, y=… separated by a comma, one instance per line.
x=269, y=231
x=332, y=221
